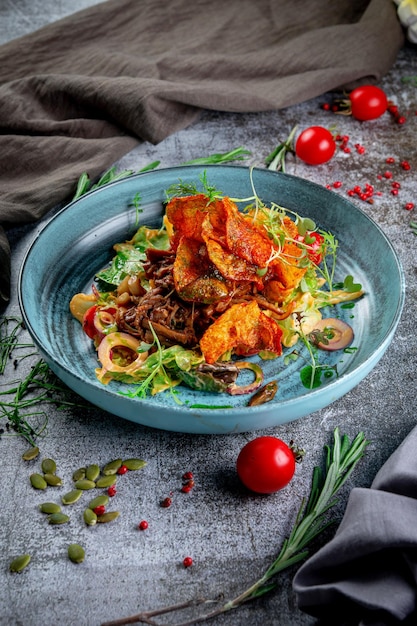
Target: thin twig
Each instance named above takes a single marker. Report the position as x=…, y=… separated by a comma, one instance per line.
x=145, y=616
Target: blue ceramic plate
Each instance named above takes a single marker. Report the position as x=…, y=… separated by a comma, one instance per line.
x=78, y=241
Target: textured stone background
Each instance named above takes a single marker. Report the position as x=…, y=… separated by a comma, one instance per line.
x=231, y=535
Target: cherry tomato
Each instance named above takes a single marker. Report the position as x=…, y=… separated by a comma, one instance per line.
x=265, y=464
x=315, y=145
x=88, y=322
x=314, y=241
x=97, y=320
x=368, y=102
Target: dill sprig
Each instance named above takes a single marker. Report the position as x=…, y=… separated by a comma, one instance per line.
x=340, y=461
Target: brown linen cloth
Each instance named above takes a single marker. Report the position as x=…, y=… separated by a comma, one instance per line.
x=367, y=574
x=79, y=93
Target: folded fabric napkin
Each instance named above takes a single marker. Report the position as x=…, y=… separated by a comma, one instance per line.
x=367, y=574
x=79, y=93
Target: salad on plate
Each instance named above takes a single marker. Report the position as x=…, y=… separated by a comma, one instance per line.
x=222, y=285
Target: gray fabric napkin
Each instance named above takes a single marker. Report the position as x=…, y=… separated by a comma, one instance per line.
x=367, y=574
x=79, y=93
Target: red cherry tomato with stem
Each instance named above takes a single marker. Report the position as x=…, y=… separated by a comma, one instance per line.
x=315, y=145
x=368, y=102
x=265, y=464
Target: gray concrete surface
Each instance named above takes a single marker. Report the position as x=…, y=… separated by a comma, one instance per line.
x=231, y=536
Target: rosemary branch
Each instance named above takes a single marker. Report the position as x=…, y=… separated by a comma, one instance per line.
x=341, y=459
x=84, y=183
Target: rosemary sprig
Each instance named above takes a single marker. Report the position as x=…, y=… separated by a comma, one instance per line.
x=238, y=154
x=340, y=460
x=413, y=226
x=84, y=183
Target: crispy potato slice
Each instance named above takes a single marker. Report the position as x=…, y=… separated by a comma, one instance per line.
x=186, y=214
x=195, y=277
x=246, y=240
x=242, y=328
x=230, y=266
x=286, y=267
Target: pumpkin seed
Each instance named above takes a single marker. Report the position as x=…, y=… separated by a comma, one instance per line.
x=37, y=481
x=48, y=466
x=84, y=484
x=90, y=517
x=98, y=501
x=58, y=518
x=53, y=480
x=76, y=553
x=30, y=454
x=50, y=507
x=108, y=517
x=134, y=464
x=72, y=496
x=79, y=474
x=19, y=563
x=106, y=481
x=111, y=467
x=92, y=472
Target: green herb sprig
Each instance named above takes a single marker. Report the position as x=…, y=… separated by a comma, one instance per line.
x=85, y=185
x=26, y=396
x=38, y=388
x=10, y=328
x=341, y=459
x=276, y=159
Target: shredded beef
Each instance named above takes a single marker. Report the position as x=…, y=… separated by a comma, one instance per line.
x=174, y=320
x=170, y=317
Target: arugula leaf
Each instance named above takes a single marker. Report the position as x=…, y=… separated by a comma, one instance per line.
x=132, y=254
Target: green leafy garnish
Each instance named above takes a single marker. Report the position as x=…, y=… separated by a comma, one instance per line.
x=190, y=189
x=131, y=255
x=350, y=286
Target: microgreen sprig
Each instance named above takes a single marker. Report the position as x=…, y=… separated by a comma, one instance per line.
x=312, y=519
